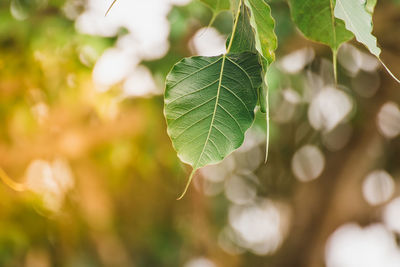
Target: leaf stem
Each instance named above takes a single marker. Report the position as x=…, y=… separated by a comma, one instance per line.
x=187, y=184
x=334, y=60
x=388, y=70
x=234, y=28
x=10, y=183
x=267, y=120
x=108, y=10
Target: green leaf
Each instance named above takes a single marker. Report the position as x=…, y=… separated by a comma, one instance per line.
x=316, y=20
x=263, y=25
x=358, y=20
x=243, y=39
x=217, y=5
x=209, y=105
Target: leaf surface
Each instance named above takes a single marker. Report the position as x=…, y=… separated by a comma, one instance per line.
x=358, y=20
x=209, y=105
x=243, y=39
x=263, y=25
x=316, y=20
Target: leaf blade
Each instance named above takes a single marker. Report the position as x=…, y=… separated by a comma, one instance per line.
x=316, y=20
x=206, y=121
x=357, y=17
x=263, y=25
x=359, y=21
x=243, y=37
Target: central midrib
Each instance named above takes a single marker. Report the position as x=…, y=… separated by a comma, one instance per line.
x=214, y=112
x=333, y=23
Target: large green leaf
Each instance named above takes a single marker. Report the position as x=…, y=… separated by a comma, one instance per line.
x=217, y=5
x=263, y=25
x=209, y=105
x=316, y=20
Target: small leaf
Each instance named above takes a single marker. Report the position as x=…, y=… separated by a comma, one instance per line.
x=358, y=20
x=209, y=105
x=243, y=39
x=263, y=24
x=266, y=43
x=217, y=5
x=316, y=20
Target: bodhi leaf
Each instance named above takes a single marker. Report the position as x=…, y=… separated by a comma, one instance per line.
x=243, y=39
x=263, y=25
x=358, y=20
x=316, y=20
x=209, y=104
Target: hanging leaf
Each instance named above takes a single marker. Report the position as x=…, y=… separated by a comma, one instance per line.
x=264, y=25
x=358, y=20
x=217, y=5
x=316, y=20
x=243, y=36
x=209, y=104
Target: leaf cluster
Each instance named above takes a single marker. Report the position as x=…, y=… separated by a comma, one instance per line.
x=210, y=101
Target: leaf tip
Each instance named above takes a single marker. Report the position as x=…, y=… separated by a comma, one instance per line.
x=389, y=71
x=187, y=184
